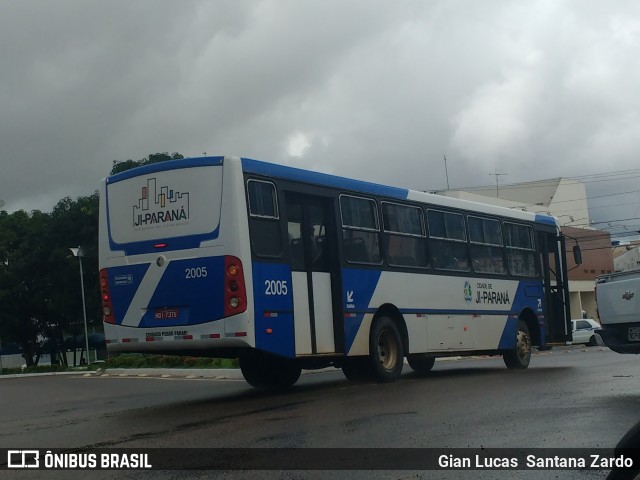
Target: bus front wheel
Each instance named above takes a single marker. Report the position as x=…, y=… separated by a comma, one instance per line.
x=520, y=356
x=386, y=354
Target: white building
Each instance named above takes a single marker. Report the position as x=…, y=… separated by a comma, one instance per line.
x=629, y=260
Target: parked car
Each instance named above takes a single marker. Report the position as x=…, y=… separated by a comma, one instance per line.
x=584, y=331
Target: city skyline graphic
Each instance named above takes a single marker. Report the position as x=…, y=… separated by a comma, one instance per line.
x=160, y=207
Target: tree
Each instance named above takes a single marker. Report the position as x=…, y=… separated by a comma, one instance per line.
x=121, y=166
x=40, y=294
x=39, y=279
x=24, y=279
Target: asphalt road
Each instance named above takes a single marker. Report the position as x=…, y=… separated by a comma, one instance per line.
x=573, y=397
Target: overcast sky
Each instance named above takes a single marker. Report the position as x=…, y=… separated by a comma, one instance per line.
x=377, y=90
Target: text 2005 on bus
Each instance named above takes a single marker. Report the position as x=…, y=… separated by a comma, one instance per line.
x=288, y=269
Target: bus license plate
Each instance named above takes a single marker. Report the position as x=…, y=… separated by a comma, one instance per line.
x=169, y=313
x=634, y=334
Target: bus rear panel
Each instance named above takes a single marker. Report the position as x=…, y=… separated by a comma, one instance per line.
x=172, y=270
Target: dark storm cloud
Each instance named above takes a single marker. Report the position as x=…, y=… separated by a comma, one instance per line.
x=376, y=90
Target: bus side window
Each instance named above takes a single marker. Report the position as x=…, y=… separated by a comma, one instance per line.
x=520, y=249
x=448, y=240
x=264, y=225
x=405, y=235
x=486, y=245
x=360, y=230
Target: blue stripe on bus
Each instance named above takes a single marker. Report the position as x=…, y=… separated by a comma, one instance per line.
x=159, y=245
x=272, y=293
x=323, y=179
x=164, y=166
x=527, y=296
x=195, y=288
x=124, y=282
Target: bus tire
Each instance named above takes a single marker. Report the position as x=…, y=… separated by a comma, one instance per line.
x=284, y=373
x=421, y=363
x=386, y=354
x=520, y=356
x=253, y=370
x=267, y=371
x=357, y=369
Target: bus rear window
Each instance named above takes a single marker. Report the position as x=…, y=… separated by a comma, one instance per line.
x=165, y=204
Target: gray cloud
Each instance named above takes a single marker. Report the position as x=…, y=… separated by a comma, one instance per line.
x=374, y=90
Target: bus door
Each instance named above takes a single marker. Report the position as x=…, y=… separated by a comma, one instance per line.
x=314, y=267
x=556, y=288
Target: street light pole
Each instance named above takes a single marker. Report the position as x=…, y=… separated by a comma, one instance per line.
x=77, y=252
x=1, y=205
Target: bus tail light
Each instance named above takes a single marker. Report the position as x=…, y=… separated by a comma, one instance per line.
x=105, y=294
x=235, y=296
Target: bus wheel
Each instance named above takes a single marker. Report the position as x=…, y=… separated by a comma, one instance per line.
x=421, y=363
x=520, y=356
x=385, y=350
x=357, y=369
x=284, y=373
x=267, y=371
x=253, y=370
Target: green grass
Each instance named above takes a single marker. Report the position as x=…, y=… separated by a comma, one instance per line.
x=38, y=369
x=134, y=360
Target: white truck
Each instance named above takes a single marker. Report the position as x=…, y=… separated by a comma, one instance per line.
x=618, y=300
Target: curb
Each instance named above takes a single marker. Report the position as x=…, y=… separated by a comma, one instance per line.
x=215, y=373
x=43, y=374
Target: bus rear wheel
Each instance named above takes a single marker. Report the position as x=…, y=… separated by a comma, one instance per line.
x=386, y=353
x=267, y=371
x=421, y=363
x=520, y=356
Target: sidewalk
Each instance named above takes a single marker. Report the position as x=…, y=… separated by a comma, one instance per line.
x=235, y=374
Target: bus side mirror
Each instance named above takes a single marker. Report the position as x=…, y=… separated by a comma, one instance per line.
x=577, y=255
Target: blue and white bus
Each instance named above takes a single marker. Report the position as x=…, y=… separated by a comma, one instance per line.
x=287, y=269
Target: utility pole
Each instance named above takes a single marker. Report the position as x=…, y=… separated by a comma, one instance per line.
x=446, y=171
x=77, y=252
x=497, y=175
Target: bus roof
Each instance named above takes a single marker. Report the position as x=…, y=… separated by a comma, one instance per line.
x=267, y=169
x=323, y=179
